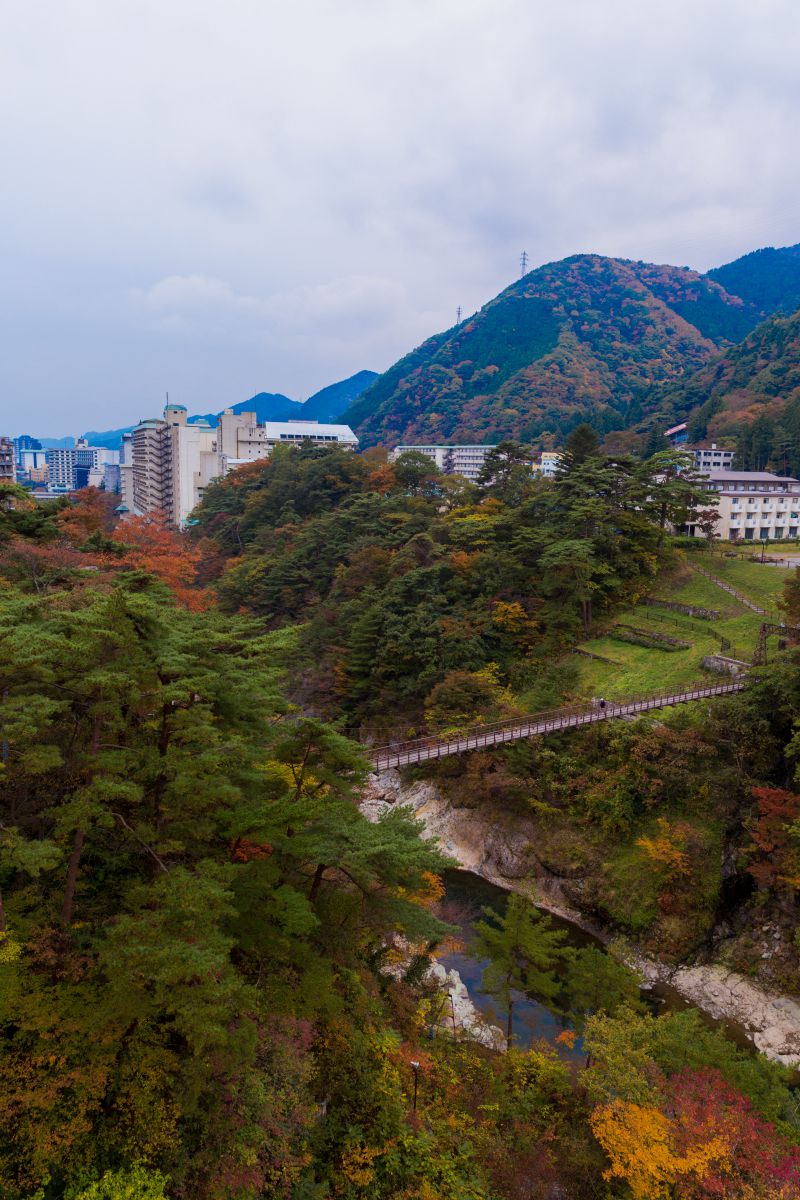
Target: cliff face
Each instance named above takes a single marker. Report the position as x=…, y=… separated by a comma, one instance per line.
x=505, y=854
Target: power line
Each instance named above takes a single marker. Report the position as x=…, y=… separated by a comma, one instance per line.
x=523, y=263
x=458, y=315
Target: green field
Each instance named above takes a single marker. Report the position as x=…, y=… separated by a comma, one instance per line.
x=638, y=669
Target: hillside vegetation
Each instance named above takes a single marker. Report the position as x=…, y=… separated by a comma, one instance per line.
x=752, y=391
x=586, y=338
x=418, y=589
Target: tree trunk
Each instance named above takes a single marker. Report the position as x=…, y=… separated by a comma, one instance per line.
x=510, y=1024
x=72, y=877
x=316, y=881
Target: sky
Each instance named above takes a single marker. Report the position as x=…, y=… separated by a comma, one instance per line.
x=219, y=198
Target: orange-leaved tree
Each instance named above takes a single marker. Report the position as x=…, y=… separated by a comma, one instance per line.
x=156, y=547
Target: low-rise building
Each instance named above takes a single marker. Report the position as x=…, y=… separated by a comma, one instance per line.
x=548, y=464
x=451, y=460
x=755, y=505
x=711, y=458
x=241, y=440
x=678, y=435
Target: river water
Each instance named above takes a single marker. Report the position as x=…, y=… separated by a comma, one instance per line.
x=466, y=894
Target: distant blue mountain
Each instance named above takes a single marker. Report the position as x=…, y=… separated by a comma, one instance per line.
x=325, y=405
x=57, y=443
x=268, y=406
x=330, y=403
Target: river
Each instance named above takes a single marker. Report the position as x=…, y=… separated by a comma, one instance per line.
x=467, y=894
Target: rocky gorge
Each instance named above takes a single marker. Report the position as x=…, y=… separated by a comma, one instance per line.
x=504, y=855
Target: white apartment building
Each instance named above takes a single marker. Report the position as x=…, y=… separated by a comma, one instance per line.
x=240, y=439
x=76, y=466
x=711, y=458
x=755, y=505
x=452, y=460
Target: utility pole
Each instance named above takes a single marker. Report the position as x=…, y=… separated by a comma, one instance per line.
x=458, y=315
x=523, y=263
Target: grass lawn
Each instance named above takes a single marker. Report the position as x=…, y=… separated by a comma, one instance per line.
x=760, y=583
x=639, y=670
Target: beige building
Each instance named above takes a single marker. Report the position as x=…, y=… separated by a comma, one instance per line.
x=166, y=465
x=241, y=440
x=755, y=505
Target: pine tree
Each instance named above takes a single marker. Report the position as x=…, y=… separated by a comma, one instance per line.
x=524, y=950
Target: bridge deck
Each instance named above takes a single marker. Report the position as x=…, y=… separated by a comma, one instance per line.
x=403, y=754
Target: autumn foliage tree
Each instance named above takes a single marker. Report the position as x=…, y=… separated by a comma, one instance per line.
x=775, y=840
x=152, y=545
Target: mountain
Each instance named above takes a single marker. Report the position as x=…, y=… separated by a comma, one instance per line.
x=268, y=406
x=331, y=402
x=585, y=338
x=767, y=279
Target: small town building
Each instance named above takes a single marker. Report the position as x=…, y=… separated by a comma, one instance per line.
x=755, y=505
x=451, y=460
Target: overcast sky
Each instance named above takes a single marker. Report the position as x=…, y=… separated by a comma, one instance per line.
x=217, y=198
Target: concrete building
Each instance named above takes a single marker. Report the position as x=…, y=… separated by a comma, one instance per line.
x=73, y=467
x=711, y=458
x=240, y=439
x=452, y=460
x=7, y=472
x=166, y=464
x=755, y=505
x=548, y=464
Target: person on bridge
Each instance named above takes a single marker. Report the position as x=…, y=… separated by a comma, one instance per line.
x=602, y=705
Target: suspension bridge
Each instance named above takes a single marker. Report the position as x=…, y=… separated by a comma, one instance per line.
x=480, y=737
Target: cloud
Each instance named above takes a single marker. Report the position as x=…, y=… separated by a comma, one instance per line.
x=257, y=196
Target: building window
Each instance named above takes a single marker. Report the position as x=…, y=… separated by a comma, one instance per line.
x=748, y=533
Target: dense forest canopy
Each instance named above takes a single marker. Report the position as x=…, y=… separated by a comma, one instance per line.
x=212, y=965
x=407, y=578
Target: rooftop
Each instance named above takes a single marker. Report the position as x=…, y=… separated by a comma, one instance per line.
x=749, y=477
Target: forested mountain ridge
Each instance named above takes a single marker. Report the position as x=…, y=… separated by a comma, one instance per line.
x=585, y=338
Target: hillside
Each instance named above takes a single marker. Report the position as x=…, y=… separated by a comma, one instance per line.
x=587, y=337
x=752, y=390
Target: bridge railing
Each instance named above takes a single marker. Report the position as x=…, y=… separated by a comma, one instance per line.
x=546, y=721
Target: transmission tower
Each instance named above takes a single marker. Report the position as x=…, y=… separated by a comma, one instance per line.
x=458, y=315
x=523, y=263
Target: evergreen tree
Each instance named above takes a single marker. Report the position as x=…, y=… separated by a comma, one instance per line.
x=524, y=950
